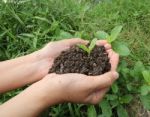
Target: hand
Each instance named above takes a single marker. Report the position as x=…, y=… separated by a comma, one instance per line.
x=79, y=88
x=53, y=49
x=113, y=56
x=54, y=89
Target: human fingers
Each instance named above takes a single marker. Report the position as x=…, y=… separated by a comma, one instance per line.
x=97, y=96
x=103, y=81
x=73, y=41
x=114, y=59
x=104, y=43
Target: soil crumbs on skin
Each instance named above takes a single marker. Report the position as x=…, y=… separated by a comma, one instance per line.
x=76, y=60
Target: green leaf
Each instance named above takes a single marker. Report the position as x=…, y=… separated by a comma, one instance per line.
x=71, y=110
x=106, y=108
x=145, y=89
x=129, y=86
x=137, y=71
x=101, y=35
x=114, y=88
x=126, y=99
x=111, y=97
x=92, y=45
x=83, y=47
x=121, y=49
x=146, y=101
x=121, y=111
x=27, y=35
x=146, y=75
x=114, y=33
x=42, y=19
x=64, y=35
x=91, y=111
x=114, y=103
x=78, y=35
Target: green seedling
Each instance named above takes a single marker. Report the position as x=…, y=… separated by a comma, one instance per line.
x=113, y=35
x=119, y=47
x=90, y=48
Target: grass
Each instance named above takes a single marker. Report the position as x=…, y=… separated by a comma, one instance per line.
x=27, y=26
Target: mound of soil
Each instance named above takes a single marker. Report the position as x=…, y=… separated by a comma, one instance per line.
x=76, y=60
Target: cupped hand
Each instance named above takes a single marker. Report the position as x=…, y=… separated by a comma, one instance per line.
x=48, y=53
x=113, y=56
x=79, y=88
x=53, y=49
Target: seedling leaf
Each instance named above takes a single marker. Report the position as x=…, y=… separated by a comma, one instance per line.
x=83, y=47
x=101, y=35
x=114, y=33
x=92, y=44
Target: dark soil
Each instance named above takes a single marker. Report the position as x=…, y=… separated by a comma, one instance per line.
x=76, y=60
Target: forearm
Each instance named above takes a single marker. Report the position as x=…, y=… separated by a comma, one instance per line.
x=29, y=103
x=23, y=74
x=10, y=64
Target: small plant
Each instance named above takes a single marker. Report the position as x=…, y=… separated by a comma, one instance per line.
x=110, y=38
x=90, y=48
x=119, y=47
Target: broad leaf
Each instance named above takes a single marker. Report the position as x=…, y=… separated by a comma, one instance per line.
x=121, y=111
x=92, y=44
x=64, y=35
x=91, y=111
x=121, y=49
x=145, y=89
x=126, y=99
x=146, y=75
x=111, y=97
x=114, y=103
x=78, y=35
x=114, y=33
x=114, y=88
x=137, y=71
x=106, y=108
x=146, y=101
x=101, y=35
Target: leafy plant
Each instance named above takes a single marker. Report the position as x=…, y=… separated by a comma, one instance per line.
x=119, y=47
x=90, y=47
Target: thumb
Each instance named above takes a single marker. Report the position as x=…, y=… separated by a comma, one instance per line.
x=104, y=80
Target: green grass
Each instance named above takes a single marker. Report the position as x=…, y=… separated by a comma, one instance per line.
x=26, y=27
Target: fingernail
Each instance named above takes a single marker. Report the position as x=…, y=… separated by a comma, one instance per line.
x=115, y=75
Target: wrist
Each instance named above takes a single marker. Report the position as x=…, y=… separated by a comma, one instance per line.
x=43, y=63
x=50, y=92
